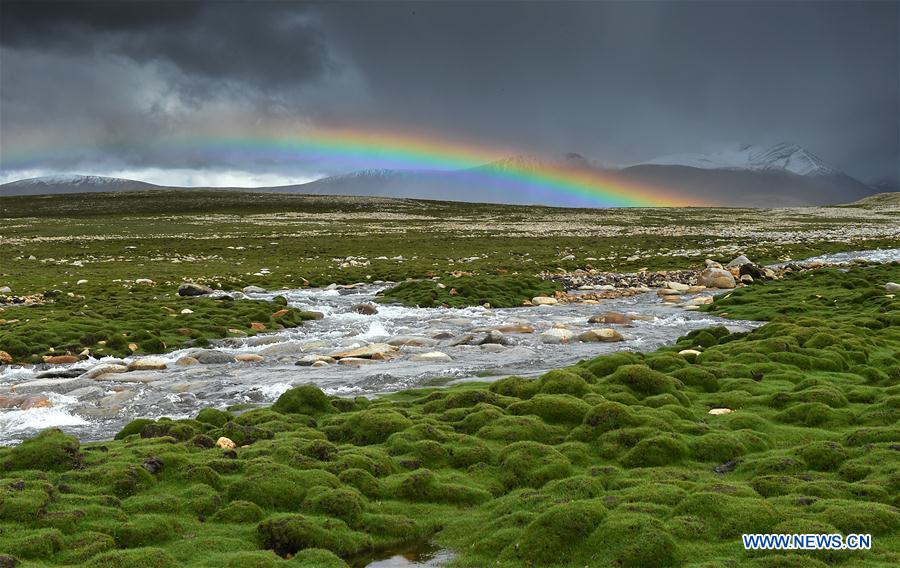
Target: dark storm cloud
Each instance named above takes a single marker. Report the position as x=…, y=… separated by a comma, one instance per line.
x=267, y=43
x=618, y=81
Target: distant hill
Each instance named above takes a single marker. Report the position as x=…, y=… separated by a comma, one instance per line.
x=891, y=199
x=73, y=183
x=746, y=176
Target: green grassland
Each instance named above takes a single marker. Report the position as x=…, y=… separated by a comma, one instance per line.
x=614, y=461
x=226, y=239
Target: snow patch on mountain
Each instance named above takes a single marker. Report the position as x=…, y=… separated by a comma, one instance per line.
x=781, y=157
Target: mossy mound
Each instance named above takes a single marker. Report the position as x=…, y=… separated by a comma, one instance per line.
x=498, y=291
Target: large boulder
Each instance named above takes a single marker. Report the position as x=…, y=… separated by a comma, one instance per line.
x=365, y=309
x=753, y=271
x=191, y=289
x=716, y=278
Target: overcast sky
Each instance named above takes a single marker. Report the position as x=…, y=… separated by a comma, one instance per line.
x=99, y=87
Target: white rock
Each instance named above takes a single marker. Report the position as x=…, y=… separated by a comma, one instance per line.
x=678, y=286
x=253, y=290
x=568, y=257
x=544, y=301
x=80, y=282
x=319, y=364
x=5, y=290
x=225, y=443
x=738, y=262
x=689, y=353
x=366, y=351
x=432, y=357
x=556, y=336
x=144, y=282
x=719, y=411
x=187, y=311
x=716, y=278
x=892, y=287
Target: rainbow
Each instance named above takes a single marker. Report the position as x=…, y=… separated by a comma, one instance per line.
x=362, y=148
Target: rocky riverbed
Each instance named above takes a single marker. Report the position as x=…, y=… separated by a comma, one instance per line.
x=355, y=351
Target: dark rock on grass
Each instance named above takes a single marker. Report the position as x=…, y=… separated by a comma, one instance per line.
x=153, y=465
x=7, y=561
x=365, y=309
x=753, y=271
x=726, y=467
x=191, y=289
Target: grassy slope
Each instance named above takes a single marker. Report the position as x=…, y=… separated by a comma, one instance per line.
x=609, y=462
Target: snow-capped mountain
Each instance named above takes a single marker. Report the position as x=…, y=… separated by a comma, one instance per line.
x=72, y=183
x=780, y=157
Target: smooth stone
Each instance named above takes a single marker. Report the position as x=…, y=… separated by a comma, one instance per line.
x=225, y=443
x=720, y=411
x=261, y=340
x=544, y=301
x=249, y=358
x=365, y=309
x=212, y=357
x=282, y=349
x=556, y=336
x=131, y=377
x=187, y=361
x=432, y=357
x=892, y=287
x=746, y=279
x=145, y=282
x=614, y=318
x=462, y=340
x=310, y=360
x=678, y=286
x=86, y=392
x=689, y=353
x=738, y=262
x=700, y=300
x=712, y=264
x=355, y=361
x=191, y=289
x=319, y=364
x=103, y=369
x=5, y=290
x=411, y=341
x=366, y=351
x=493, y=348
x=492, y=337
x=62, y=373
x=253, y=290
x=59, y=386
x=516, y=328
x=601, y=335
x=147, y=364
x=716, y=278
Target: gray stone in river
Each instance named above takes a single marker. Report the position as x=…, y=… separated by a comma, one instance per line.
x=738, y=262
x=59, y=386
x=411, y=341
x=103, y=369
x=212, y=357
x=253, y=290
x=282, y=349
x=462, y=340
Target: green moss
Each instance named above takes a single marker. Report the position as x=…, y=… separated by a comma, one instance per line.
x=156, y=557
x=289, y=534
x=346, y=504
x=214, y=417
x=551, y=535
x=553, y=408
x=498, y=291
x=632, y=540
x=239, y=512
x=530, y=464
x=371, y=426
x=305, y=399
x=655, y=451
x=51, y=450
x=317, y=558
x=642, y=380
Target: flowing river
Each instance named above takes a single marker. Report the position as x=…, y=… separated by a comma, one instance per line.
x=96, y=409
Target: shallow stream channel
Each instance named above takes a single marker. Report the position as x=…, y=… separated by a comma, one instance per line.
x=96, y=408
